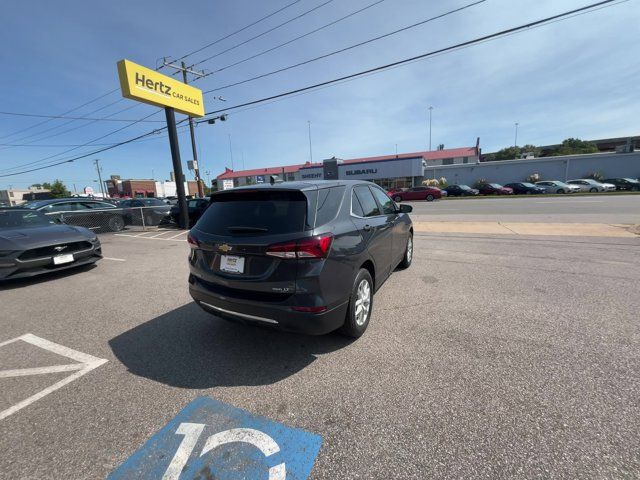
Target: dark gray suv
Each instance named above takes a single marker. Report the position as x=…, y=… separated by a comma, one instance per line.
x=301, y=256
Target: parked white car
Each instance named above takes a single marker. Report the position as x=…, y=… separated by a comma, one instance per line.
x=610, y=187
x=589, y=185
x=556, y=186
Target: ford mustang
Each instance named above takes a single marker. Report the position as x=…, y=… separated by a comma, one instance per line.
x=32, y=243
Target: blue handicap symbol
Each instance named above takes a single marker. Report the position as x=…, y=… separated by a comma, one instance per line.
x=210, y=439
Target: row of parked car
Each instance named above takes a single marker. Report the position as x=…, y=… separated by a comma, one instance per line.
x=516, y=188
x=114, y=214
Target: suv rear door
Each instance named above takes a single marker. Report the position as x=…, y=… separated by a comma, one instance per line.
x=235, y=233
x=374, y=227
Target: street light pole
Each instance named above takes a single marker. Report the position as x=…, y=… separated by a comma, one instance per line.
x=515, y=142
x=231, y=151
x=97, y=162
x=310, y=151
x=430, y=110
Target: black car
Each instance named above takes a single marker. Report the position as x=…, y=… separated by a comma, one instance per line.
x=92, y=214
x=301, y=256
x=624, y=183
x=524, y=188
x=145, y=211
x=32, y=243
x=460, y=191
x=195, y=207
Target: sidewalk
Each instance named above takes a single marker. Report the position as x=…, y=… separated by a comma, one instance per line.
x=523, y=228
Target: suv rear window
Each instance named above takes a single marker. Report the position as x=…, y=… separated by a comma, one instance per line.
x=329, y=200
x=255, y=212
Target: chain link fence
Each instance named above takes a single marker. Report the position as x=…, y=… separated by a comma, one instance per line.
x=117, y=219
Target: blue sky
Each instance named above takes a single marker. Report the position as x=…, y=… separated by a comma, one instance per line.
x=576, y=78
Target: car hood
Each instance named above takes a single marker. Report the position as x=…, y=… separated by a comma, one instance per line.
x=35, y=237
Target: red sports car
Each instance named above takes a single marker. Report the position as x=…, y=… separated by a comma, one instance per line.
x=495, y=189
x=417, y=193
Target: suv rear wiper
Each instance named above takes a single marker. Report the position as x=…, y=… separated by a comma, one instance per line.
x=247, y=229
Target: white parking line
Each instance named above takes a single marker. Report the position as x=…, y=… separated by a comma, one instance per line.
x=114, y=259
x=157, y=234
x=85, y=363
x=176, y=236
x=170, y=239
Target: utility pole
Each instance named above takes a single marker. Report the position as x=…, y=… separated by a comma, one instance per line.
x=97, y=162
x=196, y=168
x=515, y=141
x=430, y=110
x=310, y=151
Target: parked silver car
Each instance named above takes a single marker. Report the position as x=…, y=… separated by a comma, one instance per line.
x=556, y=186
x=590, y=185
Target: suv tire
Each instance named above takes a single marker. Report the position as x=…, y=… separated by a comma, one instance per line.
x=357, y=321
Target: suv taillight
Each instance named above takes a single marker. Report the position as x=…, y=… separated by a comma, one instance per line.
x=313, y=247
x=192, y=241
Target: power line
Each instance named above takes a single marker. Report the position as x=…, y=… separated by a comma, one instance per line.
x=485, y=38
x=68, y=111
x=263, y=33
x=75, y=148
x=104, y=119
x=296, y=38
x=239, y=30
x=56, y=127
x=94, y=152
x=335, y=52
x=115, y=90
x=511, y=31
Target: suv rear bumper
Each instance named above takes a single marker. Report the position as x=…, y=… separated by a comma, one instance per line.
x=267, y=314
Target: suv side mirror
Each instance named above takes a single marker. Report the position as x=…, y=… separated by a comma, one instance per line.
x=406, y=208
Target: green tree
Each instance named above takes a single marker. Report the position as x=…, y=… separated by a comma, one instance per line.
x=574, y=146
x=58, y=189
x=46, y=185
x=508, y=153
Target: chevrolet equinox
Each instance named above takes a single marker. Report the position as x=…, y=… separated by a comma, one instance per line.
x=301, y=256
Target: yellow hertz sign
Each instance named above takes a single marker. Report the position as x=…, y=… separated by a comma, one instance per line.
x=148, y=86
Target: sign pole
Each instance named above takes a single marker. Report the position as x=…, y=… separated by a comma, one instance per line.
x=177, y=167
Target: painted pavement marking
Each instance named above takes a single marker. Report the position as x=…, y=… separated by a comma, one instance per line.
x=210, y=439
x=84, y=364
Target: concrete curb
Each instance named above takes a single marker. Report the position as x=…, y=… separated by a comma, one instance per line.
x=523, y=228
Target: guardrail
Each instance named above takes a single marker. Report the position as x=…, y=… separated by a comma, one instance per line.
x=117, y=219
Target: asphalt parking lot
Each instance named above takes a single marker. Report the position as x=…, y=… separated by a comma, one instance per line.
x=491, y=357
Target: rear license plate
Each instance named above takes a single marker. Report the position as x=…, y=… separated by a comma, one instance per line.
x=232, y=264
x=59, y=259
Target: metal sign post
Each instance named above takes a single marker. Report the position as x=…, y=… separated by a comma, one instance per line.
x=183, y=220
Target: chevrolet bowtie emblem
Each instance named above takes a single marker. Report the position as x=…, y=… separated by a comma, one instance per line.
x=224, y=248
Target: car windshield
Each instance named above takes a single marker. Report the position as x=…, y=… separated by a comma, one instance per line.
x=495, y=185
x=35, y=204
x=464, y=187
x=527, y=185
x=150, y=202
x=22, y=219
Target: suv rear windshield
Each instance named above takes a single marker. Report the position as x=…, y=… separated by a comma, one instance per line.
x=255, y=212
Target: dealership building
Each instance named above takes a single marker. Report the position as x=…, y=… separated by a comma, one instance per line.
x=390, y=171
